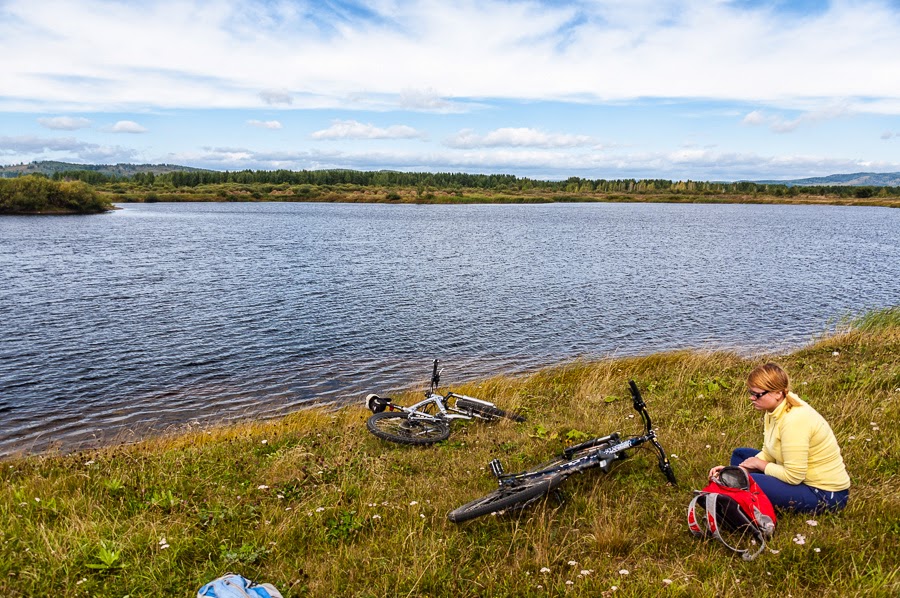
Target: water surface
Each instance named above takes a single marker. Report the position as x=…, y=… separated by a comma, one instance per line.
x=165, y=314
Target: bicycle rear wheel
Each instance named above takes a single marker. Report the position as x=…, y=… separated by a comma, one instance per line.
x=487, y=411
x=515, y=497
x=396, y=426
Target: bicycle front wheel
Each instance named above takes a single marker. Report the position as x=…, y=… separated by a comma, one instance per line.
x=488, y=412
x=515, y=497
x=396, y=426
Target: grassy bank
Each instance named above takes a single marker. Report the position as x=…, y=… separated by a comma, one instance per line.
x=119, y=192
x=319, y=507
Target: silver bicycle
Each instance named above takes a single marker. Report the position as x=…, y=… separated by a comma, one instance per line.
x=428, y=421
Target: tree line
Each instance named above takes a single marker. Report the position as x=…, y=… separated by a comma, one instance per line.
x=459, y=180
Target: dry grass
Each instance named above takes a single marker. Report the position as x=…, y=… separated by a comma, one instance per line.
x=319, y=507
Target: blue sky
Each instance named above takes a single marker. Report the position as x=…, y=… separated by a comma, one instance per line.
x=674, y=89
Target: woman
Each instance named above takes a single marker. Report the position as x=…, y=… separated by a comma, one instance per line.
x=800, y=467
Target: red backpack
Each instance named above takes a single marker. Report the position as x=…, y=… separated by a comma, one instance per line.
x=733, y=502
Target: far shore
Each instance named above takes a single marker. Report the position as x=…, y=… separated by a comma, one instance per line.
x=482, y=197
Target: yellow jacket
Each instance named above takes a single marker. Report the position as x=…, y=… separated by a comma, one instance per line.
x=800, y=447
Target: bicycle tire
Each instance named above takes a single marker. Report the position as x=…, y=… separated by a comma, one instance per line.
x=506, y=498
x=486, y=411
x=395, y=426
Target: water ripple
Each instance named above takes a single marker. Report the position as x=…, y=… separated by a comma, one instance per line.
x=161, y=315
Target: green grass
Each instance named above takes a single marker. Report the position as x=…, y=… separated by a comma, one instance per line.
x=319, y=507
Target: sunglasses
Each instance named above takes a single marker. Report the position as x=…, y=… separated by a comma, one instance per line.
x=758, y=395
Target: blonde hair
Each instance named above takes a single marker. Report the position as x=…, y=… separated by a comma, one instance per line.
x=772, y=378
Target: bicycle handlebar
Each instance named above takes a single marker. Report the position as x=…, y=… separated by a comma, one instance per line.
x=640, y=406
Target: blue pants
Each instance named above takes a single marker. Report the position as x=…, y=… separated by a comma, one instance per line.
x=789, y=497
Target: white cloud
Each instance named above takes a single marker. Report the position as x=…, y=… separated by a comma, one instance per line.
x=351, y=129
x=779, y=124
x=272, y=96
x=267, y=124
x=592, y=51
x=126, y=126
x=516, y=137
x=65, y=123
x=63, y=148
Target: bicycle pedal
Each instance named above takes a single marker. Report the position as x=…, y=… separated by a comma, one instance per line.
x=496, y=468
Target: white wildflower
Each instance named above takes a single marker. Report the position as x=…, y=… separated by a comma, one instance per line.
x=812, y=522
x=319, y=509
x=545, y=569
x=89, y=463
x=572, y=563
x=623, y=571
x=667, y=581
x=773, y=551
x=265, y=441
x=36, y=499
x=614, y=588
x=376, y=516
x=569, y=582
x=413, y=503
x=262, y=487
x=799, y=539
x=836, y=353
x=817, y=550
x=707, y=446
x=586, y=572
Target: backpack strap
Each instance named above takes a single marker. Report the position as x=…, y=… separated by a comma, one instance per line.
x=693, y=523
x=710, y=525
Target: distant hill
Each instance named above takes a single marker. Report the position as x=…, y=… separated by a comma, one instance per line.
x=870, y=179
x=49, y=167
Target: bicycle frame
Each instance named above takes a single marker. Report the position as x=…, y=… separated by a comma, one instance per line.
x=444, y=410
x=441, y=403
x=602, y=457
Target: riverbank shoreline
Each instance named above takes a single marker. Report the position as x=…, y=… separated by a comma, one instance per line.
x=481, y=197
x=317, y=506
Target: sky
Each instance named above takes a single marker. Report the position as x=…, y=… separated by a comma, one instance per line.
x=674, y=89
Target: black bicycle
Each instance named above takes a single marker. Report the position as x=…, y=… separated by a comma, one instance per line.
x=428, y=421
x=519, y=490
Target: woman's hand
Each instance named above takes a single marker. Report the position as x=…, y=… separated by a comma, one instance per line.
x=714, y=472
x=754, y=464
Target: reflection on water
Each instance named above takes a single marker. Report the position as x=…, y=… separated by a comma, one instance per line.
x=163, y=314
